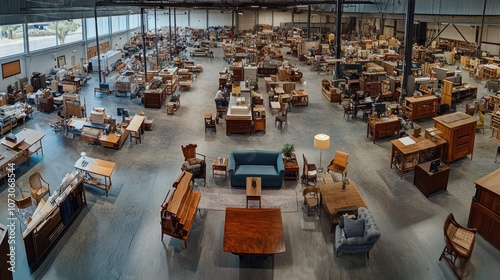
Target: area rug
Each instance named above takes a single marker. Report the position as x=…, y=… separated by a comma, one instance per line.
x=219, y=199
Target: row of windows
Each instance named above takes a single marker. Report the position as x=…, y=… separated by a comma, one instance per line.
x=43, y=35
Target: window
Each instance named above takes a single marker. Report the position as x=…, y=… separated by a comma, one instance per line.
x=11, y=40
x=41, y=35
x=118, y=23
x=69, y=31
x=135, y=21
x=102, y=24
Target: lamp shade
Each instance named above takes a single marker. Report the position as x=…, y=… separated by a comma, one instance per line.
x=321, y=141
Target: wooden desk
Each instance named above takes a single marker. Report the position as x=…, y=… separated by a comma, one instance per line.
x=383, y=127
x=415, y=108
x=253, y=232
x=405, y=157
x=29, y=141
x=334, y=199
x=485, y=208
x=254, y=193
x=97, y=167
x=220, y=164
x=113, y=141
x=136, y=126
x=291, y=168
x=429, y=183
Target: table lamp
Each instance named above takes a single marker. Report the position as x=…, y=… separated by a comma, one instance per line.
x=321, y=142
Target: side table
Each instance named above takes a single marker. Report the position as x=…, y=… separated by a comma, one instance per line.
x=428, y=182
x=291, y=168
x=219, y=165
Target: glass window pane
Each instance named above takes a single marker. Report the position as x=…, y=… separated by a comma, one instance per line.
x=118, y=23
x=11, y=40
x=135, y=21
x=69, y=31
x=41, y=35
x=102, y=23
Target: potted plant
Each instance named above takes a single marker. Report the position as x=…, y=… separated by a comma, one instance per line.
x=288, y=150
x=345, y=182
x=254, y=183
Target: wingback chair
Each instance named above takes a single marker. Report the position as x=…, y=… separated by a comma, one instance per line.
x=356, y=236
x=193, y=162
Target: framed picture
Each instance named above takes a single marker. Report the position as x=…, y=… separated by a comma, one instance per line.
x=10, y=69
x=61, y=61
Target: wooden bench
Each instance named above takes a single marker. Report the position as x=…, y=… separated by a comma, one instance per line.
x=178, y=210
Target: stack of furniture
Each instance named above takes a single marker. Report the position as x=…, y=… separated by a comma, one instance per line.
x=46, y=102
x=52, y=217
x=178, y=209
x=170, y=79
x=155, y=94
x=73, y=106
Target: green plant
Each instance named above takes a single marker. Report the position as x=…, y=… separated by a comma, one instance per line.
x=288, y=150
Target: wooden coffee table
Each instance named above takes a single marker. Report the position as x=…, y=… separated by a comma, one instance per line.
x=337, y=201
x=254, y=193
x=219, y=164
x=253, y=232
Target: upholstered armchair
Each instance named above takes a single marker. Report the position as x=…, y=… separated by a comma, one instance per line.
x=193, y=162
x=356, y=236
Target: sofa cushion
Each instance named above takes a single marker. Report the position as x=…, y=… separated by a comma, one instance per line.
x=354, y=228
x=257, y=170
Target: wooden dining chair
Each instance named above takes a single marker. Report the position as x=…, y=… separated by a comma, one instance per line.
x=308, y=172
x=38, y=189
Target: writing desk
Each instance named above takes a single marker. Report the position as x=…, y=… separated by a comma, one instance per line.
x=406, y=157
x=136, y=126
x=96, y=167
x=29, y=141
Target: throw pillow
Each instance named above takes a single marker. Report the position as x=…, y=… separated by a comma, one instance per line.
x=354, y=228
x=194, y=161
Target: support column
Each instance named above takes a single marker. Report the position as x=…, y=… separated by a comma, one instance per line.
x=338, y=37
x=410, y=17
x=256, y=21
x=232, y=23
x=382, y=23
x=309, y=23
x=143, y=31
x=175, y=27
x=97, y=41
x=480, y=41
x=170, y=33
x=156, y=42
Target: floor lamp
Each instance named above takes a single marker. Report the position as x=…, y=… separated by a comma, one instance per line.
x=321, y=142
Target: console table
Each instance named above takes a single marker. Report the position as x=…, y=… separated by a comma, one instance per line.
x=415, y=108
x=253, y=232
x=96, y=167
x=291, y=168
x=383, y=127
x=485, y=208
x=52, y=217
x=428, y=182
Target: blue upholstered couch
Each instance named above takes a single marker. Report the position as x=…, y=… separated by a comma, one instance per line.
x=268, y=165
x=362, y=238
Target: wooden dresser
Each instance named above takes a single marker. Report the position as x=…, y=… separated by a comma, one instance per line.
x=459, y=130
x=416, y=108
x=485, y=208
x=5, y=273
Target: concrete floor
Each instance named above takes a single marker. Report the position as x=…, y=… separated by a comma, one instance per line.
x=119, y=237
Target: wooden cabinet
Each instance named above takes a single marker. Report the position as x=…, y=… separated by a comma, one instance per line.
x=383, y=127
x=485, y=208
x=428, y=182
x=459, y=130
x=51, y=219
x=416, y=108
x=155, y=98
x=238, y=126
x=5, y=273
x=259, y=118
x=237, y=71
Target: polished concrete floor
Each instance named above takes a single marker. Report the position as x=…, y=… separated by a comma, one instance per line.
x=118, y=237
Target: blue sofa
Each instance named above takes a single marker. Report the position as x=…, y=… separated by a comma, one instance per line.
x=268, y=165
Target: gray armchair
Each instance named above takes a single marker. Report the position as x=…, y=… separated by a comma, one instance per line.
x=356, y=236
